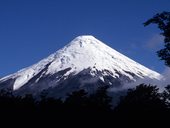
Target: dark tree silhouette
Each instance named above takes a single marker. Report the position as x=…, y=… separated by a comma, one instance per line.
x=100, y=101
x=163, y=22
x=142, y=105
x=76, y=102
x=140, y=97
x=166, y=95
x=92, y=108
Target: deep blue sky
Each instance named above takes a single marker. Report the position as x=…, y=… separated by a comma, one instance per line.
x=33, y=29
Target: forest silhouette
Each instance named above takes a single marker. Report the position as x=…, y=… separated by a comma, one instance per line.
x=144, y=105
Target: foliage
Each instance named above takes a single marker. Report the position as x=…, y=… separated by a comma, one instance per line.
x=166, y=95
x=144, y=105
x=163, y=22
x=142, y=98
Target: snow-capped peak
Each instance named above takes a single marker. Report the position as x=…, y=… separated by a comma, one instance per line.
x=82, y=53
x=85, y=37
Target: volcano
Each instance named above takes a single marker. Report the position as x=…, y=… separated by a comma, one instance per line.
x=85, y=63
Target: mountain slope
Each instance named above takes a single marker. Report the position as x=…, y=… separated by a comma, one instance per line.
x=84, y=62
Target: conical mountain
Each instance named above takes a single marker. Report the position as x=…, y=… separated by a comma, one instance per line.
x=84, y=63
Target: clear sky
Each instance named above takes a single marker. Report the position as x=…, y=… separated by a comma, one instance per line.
x=33, y=29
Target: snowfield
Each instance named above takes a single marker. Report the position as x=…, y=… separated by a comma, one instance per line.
x=84, y=52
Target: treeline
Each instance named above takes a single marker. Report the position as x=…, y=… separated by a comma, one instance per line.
x=143, y=105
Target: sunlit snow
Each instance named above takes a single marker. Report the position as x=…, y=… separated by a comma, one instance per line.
x=82, y=53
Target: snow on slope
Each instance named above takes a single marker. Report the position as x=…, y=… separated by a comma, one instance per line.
x=81, y=53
